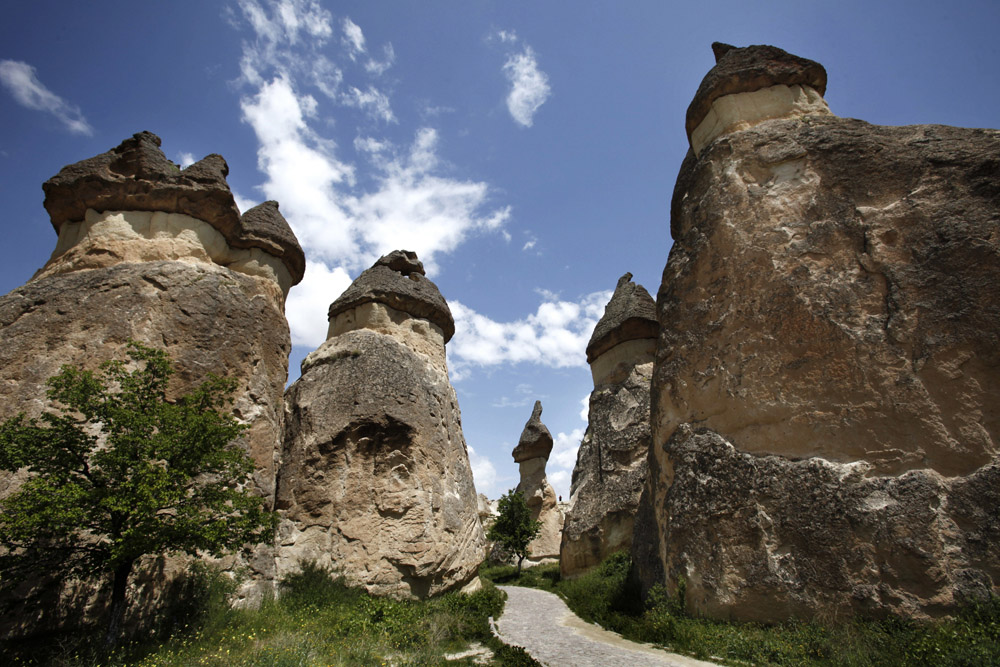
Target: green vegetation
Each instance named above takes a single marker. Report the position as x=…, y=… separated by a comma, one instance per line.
x=120, y=472
x=514, y=528
x=608, y=597
x=317, y=620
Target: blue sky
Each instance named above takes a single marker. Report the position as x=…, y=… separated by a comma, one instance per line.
x=526, y=150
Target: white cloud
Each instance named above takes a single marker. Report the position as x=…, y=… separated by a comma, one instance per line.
x=309, y=301
x=562, y=460
x=484, y=474
x=555, y=335
x=354, y=38
x=506, y=36
x=407, y=198
x=373, y=101
x=529, y=86
x=585, y=408
x=378, y=67
x=21, y=81
x=185, y=160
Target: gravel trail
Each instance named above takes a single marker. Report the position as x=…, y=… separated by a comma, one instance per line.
x=543, y=625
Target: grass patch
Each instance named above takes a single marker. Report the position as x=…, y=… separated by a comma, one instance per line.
x=317, y=620
x=607, y=596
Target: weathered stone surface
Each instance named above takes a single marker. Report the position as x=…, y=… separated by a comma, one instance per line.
x=531, y=454
x=535, y=441
x=749, y=69
x=630, y=315
x=766, y=537
x=831, y=295
x=376, y=480
x=137, y=176
x=398, y=281
x=155, y=277
x=611, y=465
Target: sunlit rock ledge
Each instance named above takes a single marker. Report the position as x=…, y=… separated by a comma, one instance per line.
x=740, y=111
x=107, y=238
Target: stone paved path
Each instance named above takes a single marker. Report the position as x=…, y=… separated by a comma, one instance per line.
x=543, y=625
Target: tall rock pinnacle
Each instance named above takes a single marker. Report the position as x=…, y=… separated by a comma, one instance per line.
x=611, y=465
x=377, y=480
x=531, y=454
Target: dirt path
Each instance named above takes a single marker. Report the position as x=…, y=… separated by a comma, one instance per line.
x=543, y=625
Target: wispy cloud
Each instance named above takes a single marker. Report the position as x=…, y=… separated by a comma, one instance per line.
x=22, y=82
x=529, y=85
x=300, y=78
x=555, y=335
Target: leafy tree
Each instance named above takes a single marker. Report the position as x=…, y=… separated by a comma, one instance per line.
x=119, y=472
x=514, y=528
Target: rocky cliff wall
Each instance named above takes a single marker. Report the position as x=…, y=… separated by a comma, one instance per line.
x=829, y=328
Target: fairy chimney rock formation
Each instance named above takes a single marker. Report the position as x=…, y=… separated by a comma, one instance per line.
x=749, y=86
x=151, y=252
x=531, y=454
x=376, y=480
x=611, y=464
x=826, y=387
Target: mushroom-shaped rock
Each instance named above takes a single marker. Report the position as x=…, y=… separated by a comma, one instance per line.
x=629, y=315
x=611, y=463
x=531, y=454
x=398, y=281
x=749, y=70
x=264, y=227
x=156, y=254
x=376, y=478
x=824, y=407
x=536, y=441
x=137, y=176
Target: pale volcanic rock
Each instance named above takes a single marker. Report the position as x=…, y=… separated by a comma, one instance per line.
x=611, y=463
x=376, y=480
x=831, y=296
x=155, y=276
x=531, y=454
x=136, y=176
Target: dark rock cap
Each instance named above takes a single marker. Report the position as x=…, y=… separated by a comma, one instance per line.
x=744, y=70
x=536, y=441
x=264, y=227
x=398, y=281
x=629, y=315
x=137, y=176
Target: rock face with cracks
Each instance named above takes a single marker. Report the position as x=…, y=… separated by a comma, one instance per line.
x=376, y=480
x=151, y=252
x=531, y=454
x=611, y=463
x=827, y=380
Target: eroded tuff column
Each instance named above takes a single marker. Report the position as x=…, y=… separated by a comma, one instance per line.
x=375, y=480
x=159, y=254
x=611, y=464
x=827, y=381
x=531, y=454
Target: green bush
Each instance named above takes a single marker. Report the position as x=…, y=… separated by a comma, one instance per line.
x=608, y=596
